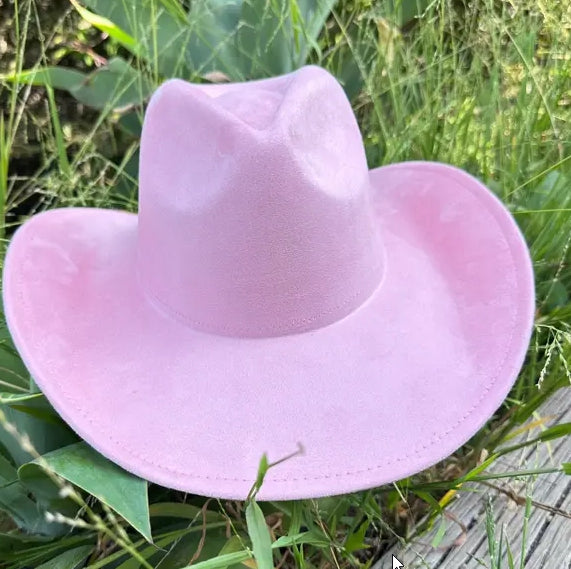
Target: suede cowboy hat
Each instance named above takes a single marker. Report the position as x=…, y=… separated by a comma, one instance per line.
x=273, y=294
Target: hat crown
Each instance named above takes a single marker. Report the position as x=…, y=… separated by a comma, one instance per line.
x=254, y=210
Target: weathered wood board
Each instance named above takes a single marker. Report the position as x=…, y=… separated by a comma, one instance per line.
x=548, y=532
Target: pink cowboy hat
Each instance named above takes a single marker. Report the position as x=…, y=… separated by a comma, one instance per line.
x=273, y=293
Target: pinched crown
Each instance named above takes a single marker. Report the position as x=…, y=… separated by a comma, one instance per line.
x=254, y=213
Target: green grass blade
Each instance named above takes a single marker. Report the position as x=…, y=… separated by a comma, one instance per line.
x=260, y=536
x=71, y=559
x=63, y=160
x=107, y=27
x=4, y=160
x=491, y=534
x=222, y=561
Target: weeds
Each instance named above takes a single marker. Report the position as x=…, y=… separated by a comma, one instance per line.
x=483, y=85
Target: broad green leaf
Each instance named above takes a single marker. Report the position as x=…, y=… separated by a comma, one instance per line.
x=406, y=11
x=314, y=14
x=125, y=184
x=132, y=122
x=175, y=9
x=211, y=43
x=200, y=42
x=276, y=37
x=109, y=483
x=14, y=376
x=116, y=85
x=15, y=501
x=57, y=77
x=44, y=436
x=71, y=559
x=8, y=473
x=260, y=536
x=14, y=543
x=13, y=373
x=48, y=497
x=34, y=404
x=22, y=551
x=567, y=467
x=265, y=38
x=160, y=38
x=243, y=39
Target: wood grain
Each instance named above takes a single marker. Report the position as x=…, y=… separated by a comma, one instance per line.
x=548, y=530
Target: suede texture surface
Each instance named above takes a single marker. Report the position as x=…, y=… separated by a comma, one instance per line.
x=272, y=293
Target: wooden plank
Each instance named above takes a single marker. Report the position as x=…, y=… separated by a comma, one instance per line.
x=554, y=548
x=510, y=516
x=546, y=532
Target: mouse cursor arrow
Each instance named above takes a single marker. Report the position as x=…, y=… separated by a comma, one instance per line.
x=397, y=564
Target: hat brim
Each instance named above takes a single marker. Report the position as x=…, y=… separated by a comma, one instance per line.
x=389, y=390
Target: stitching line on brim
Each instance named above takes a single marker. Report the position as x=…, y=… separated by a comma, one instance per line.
x=417, y=451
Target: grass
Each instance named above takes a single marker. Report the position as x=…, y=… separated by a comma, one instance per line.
x=483, y=85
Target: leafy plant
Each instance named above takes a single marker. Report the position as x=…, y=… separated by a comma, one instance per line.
x=237, y=38
x=233, y=40
x=487, y=92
